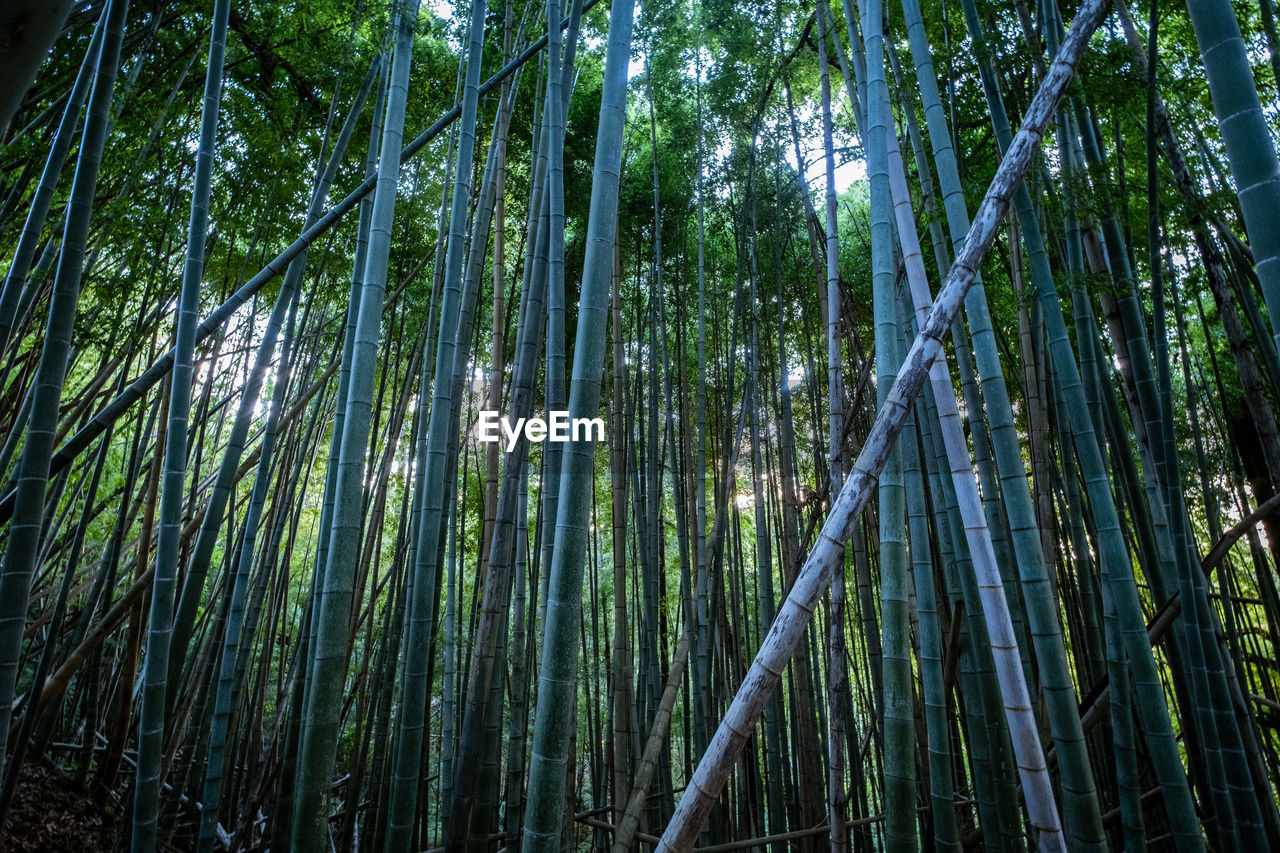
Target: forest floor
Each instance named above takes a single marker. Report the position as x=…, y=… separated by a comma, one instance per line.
x=48, y=813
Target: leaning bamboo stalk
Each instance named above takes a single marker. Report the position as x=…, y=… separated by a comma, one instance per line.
x=788, y=627
x=231, y=663
x=629, y=825
x=1014, y=689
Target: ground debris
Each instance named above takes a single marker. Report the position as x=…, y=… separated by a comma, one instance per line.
x=48, y=813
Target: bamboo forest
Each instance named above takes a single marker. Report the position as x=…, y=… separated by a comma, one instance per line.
x=675, y=425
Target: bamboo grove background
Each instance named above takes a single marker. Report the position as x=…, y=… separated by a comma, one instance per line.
x=854, y=567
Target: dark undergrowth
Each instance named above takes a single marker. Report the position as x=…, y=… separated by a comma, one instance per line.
x=50, y=812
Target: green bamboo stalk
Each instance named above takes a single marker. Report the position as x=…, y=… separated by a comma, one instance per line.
x=774, y=713
x=518, y=723
x=326, y=674
x=448, y=709
x=1245, y=134
x=483, y=691
x=941, y=789
x=901, y=831
x=701, y=668
x=558, y=670
x=425, y=583
x=1128, y=782
x=232, y=659
x=31, y=29
x=152, y=713
x=282, y=826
